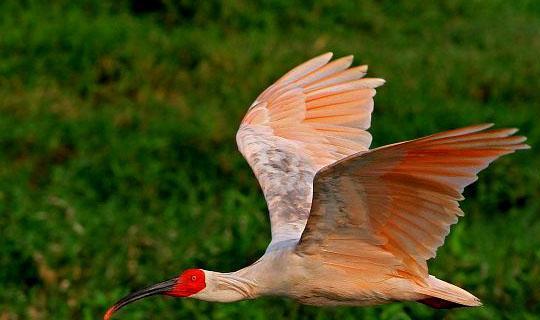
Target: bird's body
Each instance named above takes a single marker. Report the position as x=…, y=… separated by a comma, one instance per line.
x=350, y=225
x=309, y=281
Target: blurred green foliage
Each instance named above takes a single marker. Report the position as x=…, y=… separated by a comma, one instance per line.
x=118, y=164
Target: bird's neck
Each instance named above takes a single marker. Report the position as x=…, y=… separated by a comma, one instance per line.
x=229, y=287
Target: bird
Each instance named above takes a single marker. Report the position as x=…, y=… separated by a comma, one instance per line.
x=350, y=225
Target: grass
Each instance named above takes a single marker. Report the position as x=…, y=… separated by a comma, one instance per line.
x=118, y=164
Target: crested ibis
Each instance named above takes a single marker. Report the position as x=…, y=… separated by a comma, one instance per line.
x=350, y=225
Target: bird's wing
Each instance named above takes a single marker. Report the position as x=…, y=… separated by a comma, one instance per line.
x=314, y=115
x=399, y=200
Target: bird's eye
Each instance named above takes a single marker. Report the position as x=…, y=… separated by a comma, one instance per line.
x=193, y=278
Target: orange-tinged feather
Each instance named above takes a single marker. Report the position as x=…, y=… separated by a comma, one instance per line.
x=329, y=69
x=353, y=107
x=366, y=83
x=305, y=68
x=344, y=76
x=335, y=99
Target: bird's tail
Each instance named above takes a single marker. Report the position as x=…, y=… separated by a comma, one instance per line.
x=444, y=295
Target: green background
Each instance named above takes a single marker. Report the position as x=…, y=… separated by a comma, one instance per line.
x=119, y=168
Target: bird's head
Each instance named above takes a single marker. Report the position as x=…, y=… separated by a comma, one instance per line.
x=190, y=283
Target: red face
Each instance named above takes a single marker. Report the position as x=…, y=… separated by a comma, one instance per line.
x=189, y=282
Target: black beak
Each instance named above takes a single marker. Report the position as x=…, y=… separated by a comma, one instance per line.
x=159, y=288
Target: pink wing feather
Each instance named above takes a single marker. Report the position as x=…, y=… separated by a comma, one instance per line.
x=399, y=199
x=314, y=115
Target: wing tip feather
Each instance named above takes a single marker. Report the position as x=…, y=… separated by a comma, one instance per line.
x=325, y=56
x=376, y=82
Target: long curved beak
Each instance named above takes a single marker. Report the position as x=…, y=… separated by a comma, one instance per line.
x=158, y=288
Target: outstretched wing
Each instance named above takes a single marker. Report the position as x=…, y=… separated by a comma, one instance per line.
x=314, y=115
x=400, y=200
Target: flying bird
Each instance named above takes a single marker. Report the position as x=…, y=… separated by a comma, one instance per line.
x=350, y=225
